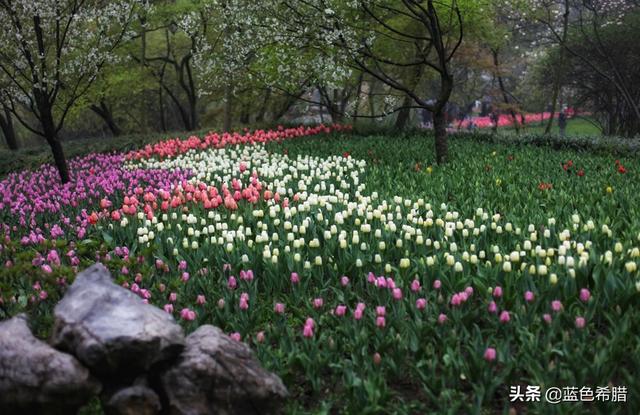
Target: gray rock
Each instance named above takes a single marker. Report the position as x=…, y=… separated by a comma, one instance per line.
x=110, y=329
x=218, y=375
x=37, y=379
x=133, y=400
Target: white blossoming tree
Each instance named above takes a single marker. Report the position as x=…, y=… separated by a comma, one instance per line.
x=51, y=52
x=383, y=39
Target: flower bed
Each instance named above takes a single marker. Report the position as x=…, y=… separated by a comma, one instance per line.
x=344, y=263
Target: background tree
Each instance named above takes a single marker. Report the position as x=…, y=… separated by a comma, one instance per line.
x=613, y=107
x=51, y=52
x=426, y=34
x=579, y=28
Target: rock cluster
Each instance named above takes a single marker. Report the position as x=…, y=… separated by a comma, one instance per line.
x=106, y=342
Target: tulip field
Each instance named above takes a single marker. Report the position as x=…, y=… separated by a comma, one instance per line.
x=370, y=280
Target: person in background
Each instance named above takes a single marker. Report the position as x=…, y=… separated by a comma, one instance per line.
x=471, y=126
x=427, y=119
x=494, y=117
x=562, y=123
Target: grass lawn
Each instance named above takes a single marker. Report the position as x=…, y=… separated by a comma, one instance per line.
x=575, y=127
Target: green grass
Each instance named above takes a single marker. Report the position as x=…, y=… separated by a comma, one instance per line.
x=575, y=127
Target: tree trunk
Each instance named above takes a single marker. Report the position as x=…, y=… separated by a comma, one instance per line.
x=331, y=104
x=503, y=89
x=372, y=104
x=440, y=129
x=193, y=111
x=104, y=112
x=163, y=121
x=244, y=114
x=184, y=115
x=403, y=114
x=554, y=103
x=228, y=108
x=263, y=107
x=356, y=108
x=50, y=133
x=290, y=100
x=6, y=124
x=557, y=78
x=59, y=158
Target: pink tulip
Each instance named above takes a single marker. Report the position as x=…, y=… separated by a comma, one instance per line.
x=244, y=301
x=442, y=318
x=497, y=292
x=584, y=295
x=232, y=283
x=580, y=322
x=490, y=354
x=493, y=307
x=421, y=303
x=295, y=278
x=260, y=337
x=344, y=281
x=340, y=310
x=529, y=296
x=377, y=359
x=391, y=284
x=357, y=313
x=556, y=305
x=279, y=308
x=307, y=331
x=415, y=286
x=236, y=336
x=168, y=308
x=505, y=317
x=173, y=297
x=200, y=300
x=437, y=284
x=381, y=311
x=380, y=322
x=397, y=294
x=547, y=318
x=185, y=277
x=187, y=314
x=318, y=303
x=455, y=300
